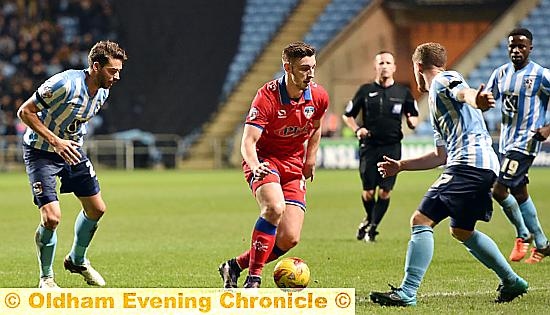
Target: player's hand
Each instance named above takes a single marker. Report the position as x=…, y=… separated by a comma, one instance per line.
x=68, y=150
x=389, y=167
x=308, y=171
x=261, y=171
x=542, y=133
x=484, y=99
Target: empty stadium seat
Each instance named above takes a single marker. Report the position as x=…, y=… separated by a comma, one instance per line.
x=336, y=16
x=261, y=20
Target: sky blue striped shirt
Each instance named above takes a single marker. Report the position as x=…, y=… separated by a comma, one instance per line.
x=65, y=108
x=523, y=97
x=458, y=126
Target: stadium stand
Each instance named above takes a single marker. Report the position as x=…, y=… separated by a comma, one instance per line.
x=260, y=21
x=218, y=131
x=37, y=40
x=306, y=21
x=336, y=15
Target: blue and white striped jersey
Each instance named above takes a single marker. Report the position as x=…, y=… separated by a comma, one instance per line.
x=458, y=126
x=523, y=96
x=65, y=108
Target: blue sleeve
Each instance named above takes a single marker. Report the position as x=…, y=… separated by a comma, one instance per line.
x=51, y=91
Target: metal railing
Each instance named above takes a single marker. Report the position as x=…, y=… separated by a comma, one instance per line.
x=11, y=154
x=106, y=151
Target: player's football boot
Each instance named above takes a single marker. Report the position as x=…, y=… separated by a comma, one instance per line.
x=91, y=276
x=394, y=297
x=230, y=272
x=371, y=233
x=47, y=283
x=508, y=292
x=252, y=282
x=537, y=254
x=362, y=229
x=521, y=246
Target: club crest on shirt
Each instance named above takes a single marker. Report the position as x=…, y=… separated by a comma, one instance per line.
x=45, y=91
x=309, y=111
x=529, y=82
x=253, y=113
x=272, y=86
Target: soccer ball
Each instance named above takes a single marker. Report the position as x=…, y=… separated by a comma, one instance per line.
x=291, y=272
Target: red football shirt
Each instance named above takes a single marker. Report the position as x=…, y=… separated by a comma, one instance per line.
x=286, y=123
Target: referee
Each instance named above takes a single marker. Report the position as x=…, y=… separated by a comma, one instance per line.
x=382, y=104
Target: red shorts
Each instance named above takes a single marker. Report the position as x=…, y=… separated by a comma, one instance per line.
x=288, y=173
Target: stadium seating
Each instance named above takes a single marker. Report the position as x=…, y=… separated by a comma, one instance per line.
x=336, y=16
x=59, y=39
x=258, y=59
x=260, y=22
x=263, y=18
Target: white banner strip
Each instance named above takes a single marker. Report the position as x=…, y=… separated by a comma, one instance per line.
x=173, y=301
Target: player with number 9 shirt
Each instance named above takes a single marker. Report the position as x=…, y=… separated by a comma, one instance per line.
x=523, y=89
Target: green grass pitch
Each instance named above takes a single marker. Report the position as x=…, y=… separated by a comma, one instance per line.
x=173, y=228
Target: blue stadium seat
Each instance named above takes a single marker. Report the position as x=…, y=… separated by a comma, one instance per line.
x=336, y=16
x=260, y=22
x=263, y=18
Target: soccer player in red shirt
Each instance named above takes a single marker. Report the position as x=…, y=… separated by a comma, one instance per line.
x=279, y=147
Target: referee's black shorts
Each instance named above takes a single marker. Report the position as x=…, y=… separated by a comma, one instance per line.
x=369, y=156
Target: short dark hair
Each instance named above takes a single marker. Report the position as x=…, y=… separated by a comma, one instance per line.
x=522, y=32
x=297, y=50
x=384, y=52
x=430, y=55
x=105, y=49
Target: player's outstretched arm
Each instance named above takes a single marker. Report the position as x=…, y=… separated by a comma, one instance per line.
x=479, y=98
x=542, y=133
x=390, y=167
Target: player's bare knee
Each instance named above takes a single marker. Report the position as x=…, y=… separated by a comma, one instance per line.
x=368, y=195
x=460, y=234
x=384, y=194
x=50, y=216
x=499, y=192
x=497, y=195
x=50, y=221
x=101, y=210
x=521, y=196
x=273, y=211
x=95, y=212
x=418, y=218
